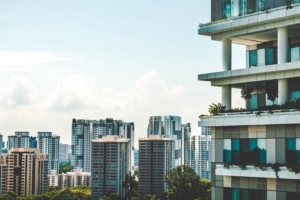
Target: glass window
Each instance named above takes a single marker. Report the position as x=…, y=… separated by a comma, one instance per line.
x=235, y=8
x=261, y=57
x=270, y=56
x=227, y=150
x=260, y=5
x=243, y=7
x=236, y=194
x=235, y=150
x=227, y=8
x=296, y=1
x=244, y=194
x=292, y=152
x=262, y=146
x=295, y=95
x=252, y=6
x=253, y=58
x=253, y=102
x=295, y=54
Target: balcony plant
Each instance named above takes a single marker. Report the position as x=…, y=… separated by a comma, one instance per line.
x=272, y=90
x=216, y=109
x=246, y=92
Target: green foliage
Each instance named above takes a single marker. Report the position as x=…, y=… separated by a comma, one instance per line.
x=64, y=167
x=136, y=172
x=272, y=90
x=246, y=92
x=150, y=197
x=131, y=186
x=55, y=193
x=216, y=109
x=184, y=184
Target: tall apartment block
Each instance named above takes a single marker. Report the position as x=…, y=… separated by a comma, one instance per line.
x=3, y=173
x=19, y=140
x=170, y=126
x=26, y=171
x=70, y=179
x=136, y=157
x=32, y=142
x=269, y=30
x=155, y=160
x=203, y=154
x=63, y=152
x=84, y=131
x=111, y=161
x=49, y=144
x=190, y=152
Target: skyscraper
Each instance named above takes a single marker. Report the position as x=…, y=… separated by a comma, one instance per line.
x=155, y=160
x=111, y=161
x=84, y=131
x=63, y=152
x=19, y=140
x=263, y=133
x=190, y=152
x=155, y=126
x=32, y=142
x=26, y=171
x=3, y=173
x=49, y=144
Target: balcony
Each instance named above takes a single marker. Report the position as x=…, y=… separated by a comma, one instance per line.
x=251, y=171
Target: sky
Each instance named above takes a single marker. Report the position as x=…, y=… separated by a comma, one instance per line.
x=126, y=60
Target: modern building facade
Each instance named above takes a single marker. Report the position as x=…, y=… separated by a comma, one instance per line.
x=3, y=174
x=19, y=140
x=111, y=161
x=32, y=142
x=70, y=179
x=27, y=171
x=84, y=131
x=136, y=157
x=261, y=134
x=190, y=152
x=63, y=153
x=203, y=154
x=155, y=160
x=49, y=144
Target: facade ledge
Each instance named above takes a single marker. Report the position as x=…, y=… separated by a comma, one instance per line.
x=253, y=172
x=243, y=21
x=250, y=119
x=261, y=73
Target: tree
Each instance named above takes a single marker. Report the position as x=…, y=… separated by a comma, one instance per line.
x=64, y=167
x=136, y=172
x=215, y=109
x=205, y=191
x=150, y=197
x=183, y=183
x=246, y=92
x=131, y=186
x=272, y=90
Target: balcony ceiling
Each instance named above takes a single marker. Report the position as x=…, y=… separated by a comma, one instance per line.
x=261, y=37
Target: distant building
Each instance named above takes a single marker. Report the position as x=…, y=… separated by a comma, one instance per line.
x=136, y=157
x=5, y=150
x=155, y=126
x=49, y=144
x=111, y=161
x=203, y=156
x=32, y=142
x=155, y=160
x=19, y=140
x=84, y=131
x=63, y=152
x=190, y=152
x=26, y=171
x=3, y=173
x=70, y=179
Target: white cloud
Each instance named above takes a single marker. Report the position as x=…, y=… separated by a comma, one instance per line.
x=20, y=92
x=4, y=17
x=14, y=59
x=80, y=91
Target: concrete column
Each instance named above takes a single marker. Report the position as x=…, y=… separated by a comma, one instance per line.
x=226, y=54
x=283, y=85
x=226, y=65
x=283, y=91
x=226, y=97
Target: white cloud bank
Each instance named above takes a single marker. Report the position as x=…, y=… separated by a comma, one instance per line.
x=19, y=92
x=15, y=59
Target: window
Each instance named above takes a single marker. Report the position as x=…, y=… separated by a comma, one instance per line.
x=261, y=57
x=244, y=194
x=295, y=54
x=270, y=56
x=292, y=195
x=253, y=58
x=227, y=8
x=243, y=7
x=247, y=151
x=253, y=102
x=292, y=151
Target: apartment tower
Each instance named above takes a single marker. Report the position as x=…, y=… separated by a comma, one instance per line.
x=155, y=160
x=263, y=133
x=63, y=152
x=111, y=161
x=84, y=131
x=49, y=144
x=19, y=140
x=27, y=171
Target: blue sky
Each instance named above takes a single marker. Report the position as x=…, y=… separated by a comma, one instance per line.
x=95, y=59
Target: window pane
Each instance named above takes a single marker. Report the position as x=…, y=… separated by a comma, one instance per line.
x=291, y=154
x=252, y=6
x=235, y=8
x=253, y=102
x=295, y=54
x=295, y=95
x=243, y=7
x=261, y=144
x=260, y=5
x=253, y=58
x=269, y=56
x=254, y=153
x=235, y=194
x=227, y=150
x=261, y=57
x=245, y=194
x=235, y=150
x=227, y=8
x=261, y=100
x=227, y=194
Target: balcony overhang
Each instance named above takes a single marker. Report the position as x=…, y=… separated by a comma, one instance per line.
x=250, y=119
x=251, y=29
x=261, y=73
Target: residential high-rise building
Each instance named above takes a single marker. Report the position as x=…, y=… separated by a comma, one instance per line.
x=84, y=131
x=19, y=140
x=63, y=152
x=70, y=179
x=263, y=133
x=49, y=144
x=111, y=161
x=155, y=126
x=32, y=142
x=26, y=171
x=155, y=160
x=190, y=152
x=3, y=174
x=186, y=145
